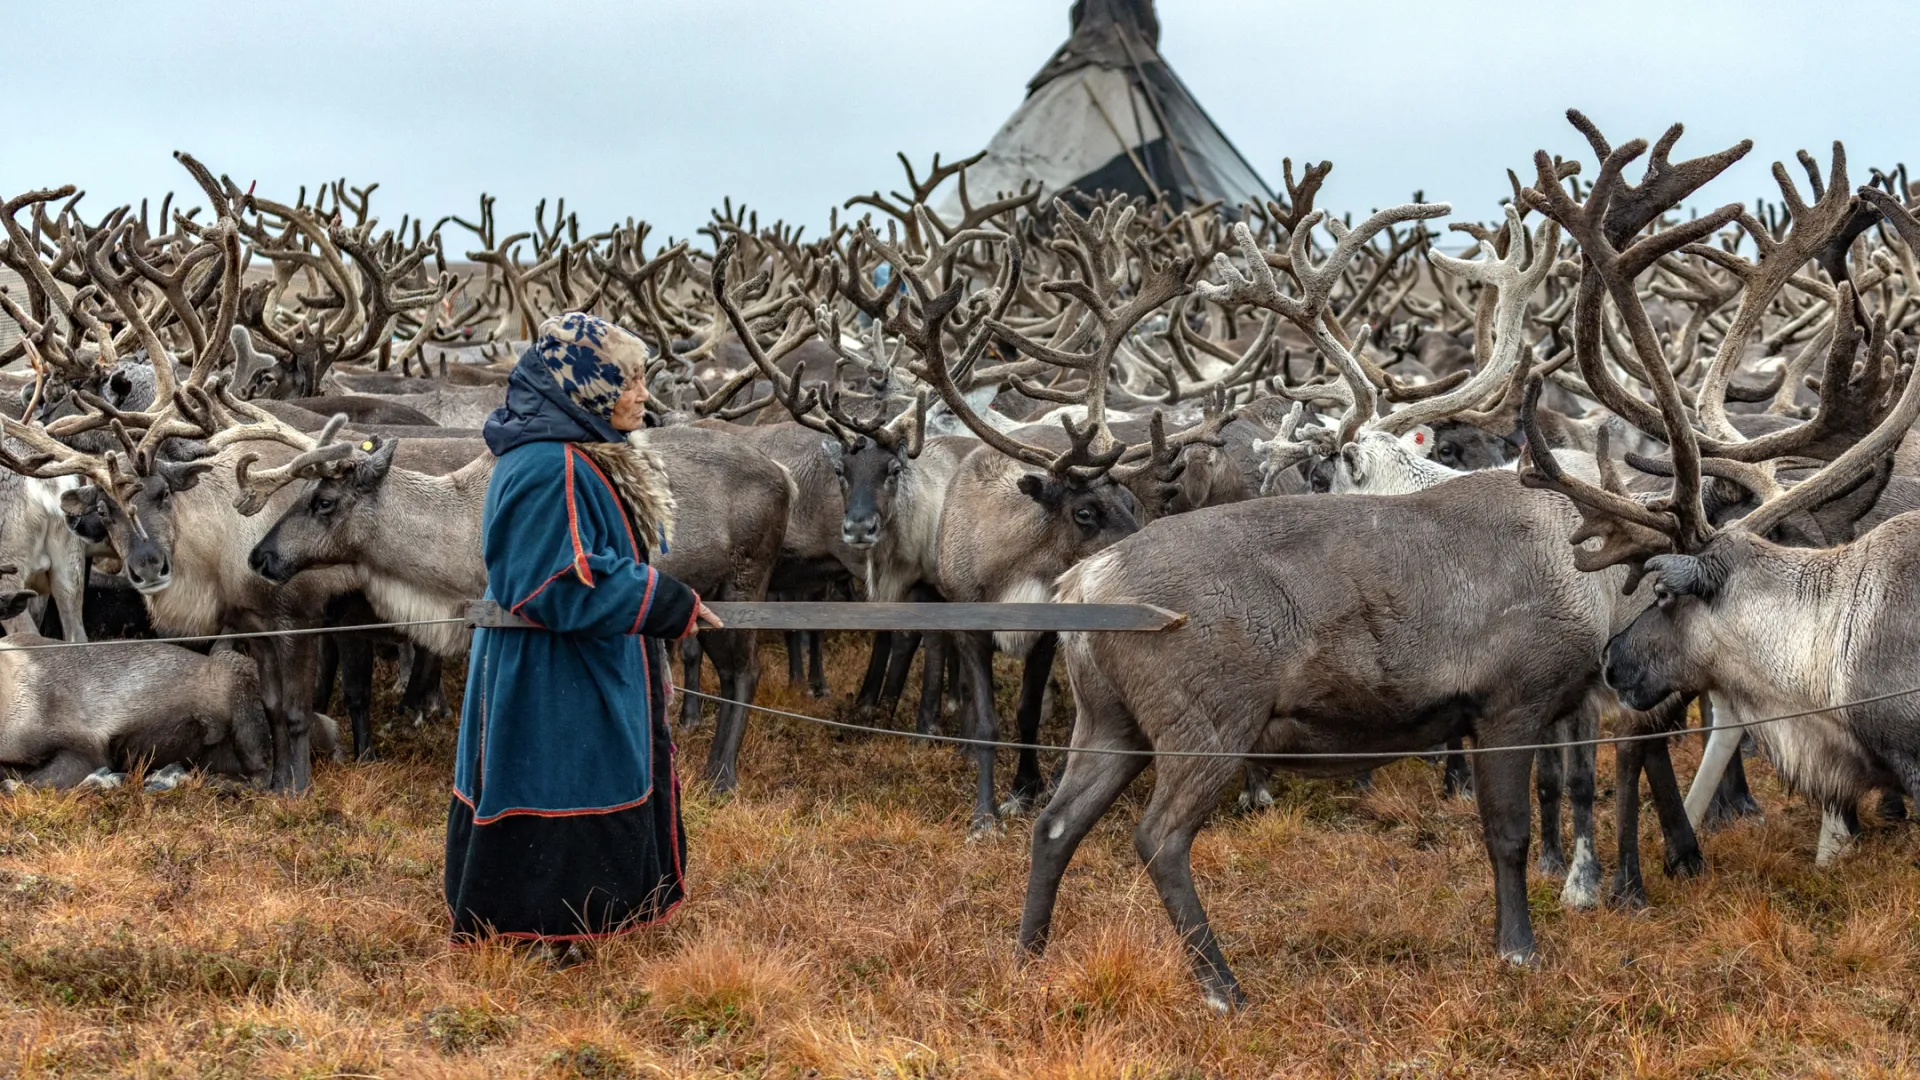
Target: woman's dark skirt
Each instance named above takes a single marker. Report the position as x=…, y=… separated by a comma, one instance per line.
x=572, y=877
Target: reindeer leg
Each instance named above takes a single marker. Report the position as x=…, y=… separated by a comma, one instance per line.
x=690, y=653
x=1185, y=791
x=796, y=659
x=1085, y=791
x=1258, y=781
x=1457, y=781
x=302, y=658
x=1582, y=888
x=1717, y=795
x=424, y=698
x=68, y=579
x=1629, y=888
x=65, y=771
x=735, y=663
x=956, y=687
x=1500, y=787
x=868, y=697
x=817, y=664
x=356, y=689
x=328, y=673
x=933, y=670
x=899, y=666
x=269, y=656
x=1733, y=798
x=1683, y=847
x=976, y=666
x=1549, y=780
x=1027, y=782
x=1838, y=826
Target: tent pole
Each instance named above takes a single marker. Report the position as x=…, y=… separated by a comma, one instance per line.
x=1166, y=129
x=1122, y=140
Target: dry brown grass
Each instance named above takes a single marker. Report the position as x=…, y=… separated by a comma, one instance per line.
x=841, y=927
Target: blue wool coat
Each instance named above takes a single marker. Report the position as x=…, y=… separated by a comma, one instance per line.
x=558, y=721
x=564, y=822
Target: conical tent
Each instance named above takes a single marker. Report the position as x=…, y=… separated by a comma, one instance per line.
x=1107, y=113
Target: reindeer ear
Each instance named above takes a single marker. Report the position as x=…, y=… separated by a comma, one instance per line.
x=836, y=454
x=182, y=477
x=369, y=471
x=79, y=501
x=1683, y=575
x=1041, y=489
x=1350, y=456
x=1419, y=441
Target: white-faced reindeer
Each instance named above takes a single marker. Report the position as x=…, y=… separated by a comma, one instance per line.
x=1773, y=630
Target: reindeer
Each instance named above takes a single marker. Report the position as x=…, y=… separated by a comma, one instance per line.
x=412, y=539
x=1724, y=593
x=1016, y=515
x=65, y=715
x=1346, y=643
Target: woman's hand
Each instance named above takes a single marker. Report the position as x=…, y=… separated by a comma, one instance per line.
x=704, y=616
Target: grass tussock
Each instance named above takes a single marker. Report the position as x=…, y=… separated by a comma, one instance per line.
x=840, y=926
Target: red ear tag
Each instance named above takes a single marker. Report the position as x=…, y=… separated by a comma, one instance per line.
x=1419, y=438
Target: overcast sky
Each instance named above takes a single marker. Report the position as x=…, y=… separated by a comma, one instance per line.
x=656, y=110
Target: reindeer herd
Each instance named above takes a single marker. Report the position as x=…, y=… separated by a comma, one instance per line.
x=1631, y=455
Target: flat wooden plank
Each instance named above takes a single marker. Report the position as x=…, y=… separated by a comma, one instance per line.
x=801, y=615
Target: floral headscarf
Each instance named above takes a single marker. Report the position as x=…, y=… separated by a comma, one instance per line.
x=591, y=359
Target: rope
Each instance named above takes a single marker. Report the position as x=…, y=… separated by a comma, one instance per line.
x=1382, y=755
x=109, y=642
x=1375, y=755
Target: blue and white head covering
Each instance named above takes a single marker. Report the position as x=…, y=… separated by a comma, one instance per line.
x=591, y=359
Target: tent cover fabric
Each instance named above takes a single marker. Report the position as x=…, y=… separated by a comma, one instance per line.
x=1106, y=113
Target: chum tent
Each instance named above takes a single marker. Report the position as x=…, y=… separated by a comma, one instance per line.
x=1108, y=113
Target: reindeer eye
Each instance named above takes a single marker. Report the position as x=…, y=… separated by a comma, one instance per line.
x=323, y=505
x=1084, y=515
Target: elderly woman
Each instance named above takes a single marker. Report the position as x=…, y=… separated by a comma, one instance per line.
x=565, y=819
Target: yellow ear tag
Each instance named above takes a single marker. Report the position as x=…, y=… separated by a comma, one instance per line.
x=367, y=446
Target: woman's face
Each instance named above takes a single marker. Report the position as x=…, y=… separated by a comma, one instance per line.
x=630, y=412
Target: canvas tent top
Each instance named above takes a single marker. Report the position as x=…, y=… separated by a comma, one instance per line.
x=1107, y=113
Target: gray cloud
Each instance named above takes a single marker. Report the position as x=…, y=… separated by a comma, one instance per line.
x=657, y=110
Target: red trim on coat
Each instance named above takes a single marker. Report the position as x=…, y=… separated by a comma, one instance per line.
x=543, y=588
x=580, y=566
x=693, y=618
x=633, y=544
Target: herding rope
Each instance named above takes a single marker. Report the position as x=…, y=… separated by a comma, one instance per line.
x=1111, y=751
x=1382, y=755
x=108, y=642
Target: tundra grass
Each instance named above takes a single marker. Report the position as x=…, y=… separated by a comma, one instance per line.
x=840, y=925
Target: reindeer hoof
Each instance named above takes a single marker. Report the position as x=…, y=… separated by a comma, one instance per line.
x=1552, y=864
x=1686, y=864
x=984, y=829
x=1527, y=958
x=1224, y=1003
x=167, y=779
x=102, y=778
x=1582, y=890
